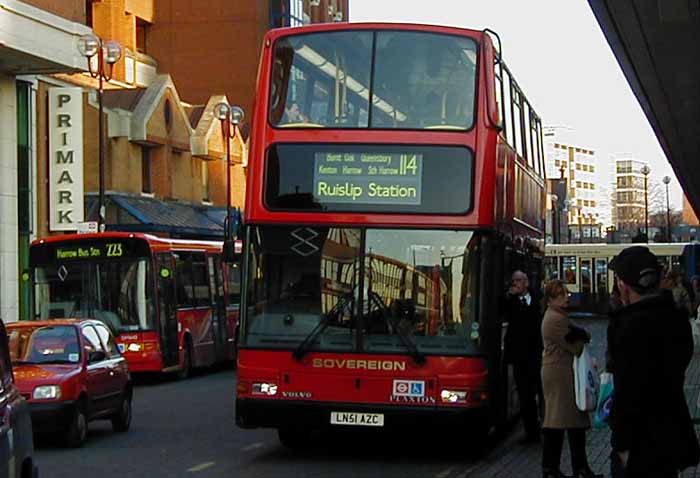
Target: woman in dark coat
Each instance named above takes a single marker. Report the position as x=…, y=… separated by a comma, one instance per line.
x=562, y=342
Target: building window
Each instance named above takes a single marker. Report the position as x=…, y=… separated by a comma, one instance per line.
x=578, y=166
x=88, y=13
x=142, y=29
x=146, y=185
x=592, y=168
x=578, y=184
x=557, y=163
x=205, y=182
x=592, y=203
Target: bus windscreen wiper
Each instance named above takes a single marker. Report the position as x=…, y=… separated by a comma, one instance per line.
x=306, y=345
x=406, y=339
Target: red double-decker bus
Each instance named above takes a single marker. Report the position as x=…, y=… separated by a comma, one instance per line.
x=171, y=304
x=395, y=182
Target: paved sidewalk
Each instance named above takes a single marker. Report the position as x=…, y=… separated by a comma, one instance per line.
x=513, y=460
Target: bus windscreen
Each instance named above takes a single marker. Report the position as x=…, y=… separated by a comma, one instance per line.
x=381, y=79
x=363, y=178
x=108, y=279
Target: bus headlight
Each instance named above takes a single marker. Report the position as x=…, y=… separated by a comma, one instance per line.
x=453, y=396
x=264, y=388
x=47, y=392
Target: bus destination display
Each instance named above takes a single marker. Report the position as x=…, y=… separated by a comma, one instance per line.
x=367, y=178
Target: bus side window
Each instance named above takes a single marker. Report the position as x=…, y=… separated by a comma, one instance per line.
x=233, y=278
x=568, y=265
x=183, y=278
x=200, y=280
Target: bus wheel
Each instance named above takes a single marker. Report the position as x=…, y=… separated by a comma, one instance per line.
x=186, y=369
x=77, y=430
x=121, y=421
x=294, y=438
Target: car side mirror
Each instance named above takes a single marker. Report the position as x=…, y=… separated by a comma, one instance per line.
x=96, y=356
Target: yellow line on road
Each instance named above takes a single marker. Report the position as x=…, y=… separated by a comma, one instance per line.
x=201, y=466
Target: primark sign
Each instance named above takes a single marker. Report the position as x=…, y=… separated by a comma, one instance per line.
x=66, y=207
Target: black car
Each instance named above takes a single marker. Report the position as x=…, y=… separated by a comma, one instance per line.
x=16, y=440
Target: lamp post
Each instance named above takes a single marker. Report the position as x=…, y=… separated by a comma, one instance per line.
x=230, y=117
x=567, y=210
x=108, y=53
x=645, y=171
x=667, y=181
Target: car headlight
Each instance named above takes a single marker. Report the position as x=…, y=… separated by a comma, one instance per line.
x=47, y=392
x=453, y=396
x=264, y=389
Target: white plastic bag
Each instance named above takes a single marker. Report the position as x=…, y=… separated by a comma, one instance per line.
x=695, y=327
x=586, y=382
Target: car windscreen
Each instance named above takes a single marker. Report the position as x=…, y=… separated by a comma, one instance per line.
x=44, y=345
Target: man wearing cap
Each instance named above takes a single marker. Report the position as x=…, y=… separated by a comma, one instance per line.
x=650, y=346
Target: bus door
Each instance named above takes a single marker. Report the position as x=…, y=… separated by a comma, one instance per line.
x=601, y=284
x=586, y=283
x=216, y=284
x=167, y=307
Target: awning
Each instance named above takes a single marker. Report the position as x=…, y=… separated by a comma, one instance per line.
x=145, y=214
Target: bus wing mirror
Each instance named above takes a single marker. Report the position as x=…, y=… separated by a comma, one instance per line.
x=232, y=251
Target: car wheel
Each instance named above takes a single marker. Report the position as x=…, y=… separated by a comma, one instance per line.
x=78, y=428
x=294, y=438
x=186, y=363
x=121, y=421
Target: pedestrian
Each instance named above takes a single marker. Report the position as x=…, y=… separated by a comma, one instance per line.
x=650, y=345
x=562, y=342
x=680, y=293
x=523, y=350
x=695, y=291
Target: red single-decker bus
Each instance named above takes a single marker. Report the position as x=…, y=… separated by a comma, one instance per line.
x=171, y=303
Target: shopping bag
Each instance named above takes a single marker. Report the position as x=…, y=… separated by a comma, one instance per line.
x=585, y=381
x=605, y=398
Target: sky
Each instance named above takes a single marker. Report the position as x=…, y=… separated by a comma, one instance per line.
x=562, y=62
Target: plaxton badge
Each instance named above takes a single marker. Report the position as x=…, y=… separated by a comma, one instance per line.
x=385, y=365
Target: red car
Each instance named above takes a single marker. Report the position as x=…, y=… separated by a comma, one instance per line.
x=70, y=372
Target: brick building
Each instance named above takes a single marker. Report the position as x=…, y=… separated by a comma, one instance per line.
x=228, y=48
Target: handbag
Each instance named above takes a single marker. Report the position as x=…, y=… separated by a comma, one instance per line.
x=605, y=398
x=586, y=383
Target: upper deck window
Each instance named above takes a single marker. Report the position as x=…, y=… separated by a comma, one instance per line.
x=412, y=80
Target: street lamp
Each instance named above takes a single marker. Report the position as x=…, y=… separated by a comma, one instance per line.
x=230, y=117
x=667, y=181
x=108, y=53
x=645, y=171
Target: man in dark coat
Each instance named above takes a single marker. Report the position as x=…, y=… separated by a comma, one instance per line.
x=523, y=349
x=650, y=346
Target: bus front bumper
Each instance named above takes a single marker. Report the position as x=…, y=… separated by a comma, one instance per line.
x=252, y=413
